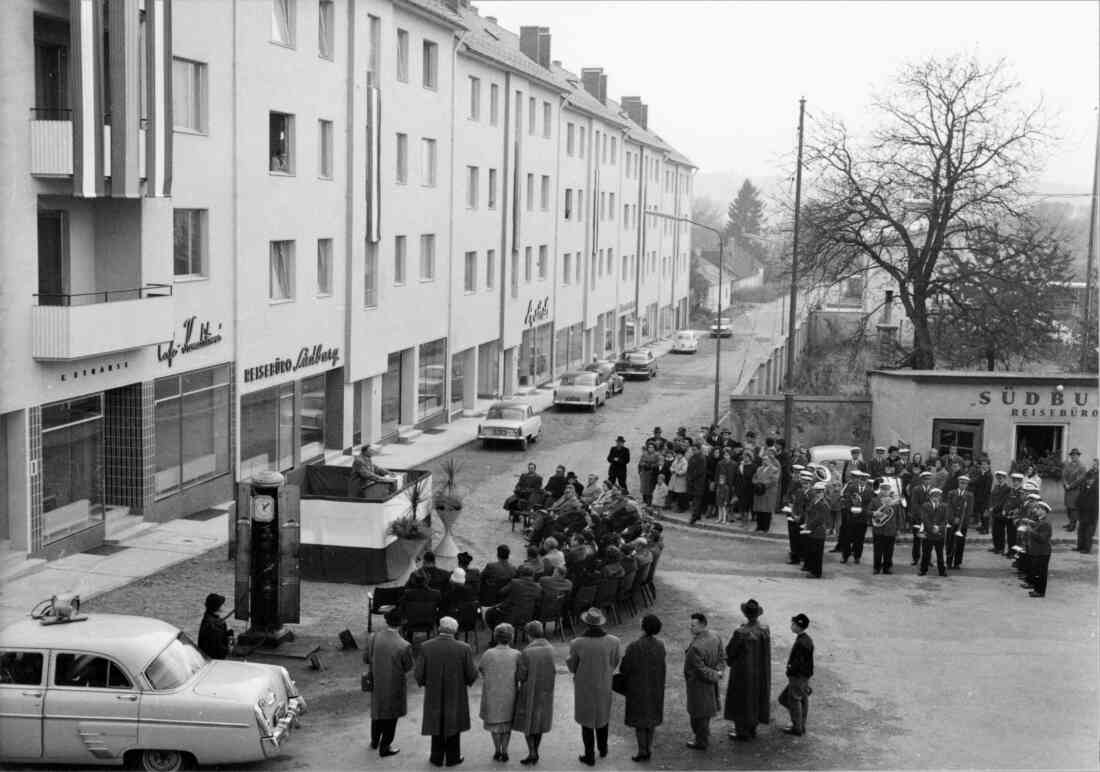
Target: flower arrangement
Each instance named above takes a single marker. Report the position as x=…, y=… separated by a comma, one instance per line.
x=409, y=525
x=447, y=495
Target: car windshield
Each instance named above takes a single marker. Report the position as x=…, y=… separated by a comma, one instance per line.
x=723, y=321
x=175, y=666
x=639, y=357
x=578, y=379
x=505, y=414
x=684, y=335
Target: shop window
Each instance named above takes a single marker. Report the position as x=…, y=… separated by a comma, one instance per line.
x=311, y=419
x=458, y=380
x=267, y=430
x=1040, y=446
x=431, y=378
x=964, y=435
x=192, y=428
x=72, y=466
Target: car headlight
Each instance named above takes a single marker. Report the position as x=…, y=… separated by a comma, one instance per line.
x=519, y=430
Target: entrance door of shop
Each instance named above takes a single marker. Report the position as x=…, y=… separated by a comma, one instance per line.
x=488, y=376
x=391, y=396
x=964, y=435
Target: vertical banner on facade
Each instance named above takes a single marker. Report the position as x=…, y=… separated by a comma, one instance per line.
x=158, y=63
x=374, y=162
x=87, y=34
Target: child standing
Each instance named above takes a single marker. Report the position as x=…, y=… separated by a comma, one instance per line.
x=722, y=498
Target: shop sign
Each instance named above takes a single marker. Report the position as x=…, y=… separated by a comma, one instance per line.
x=537, y=312
x=1056, y=403
x=84, y=372
x=196, y=335
x=307, y=357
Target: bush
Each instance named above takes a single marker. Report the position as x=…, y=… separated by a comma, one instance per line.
x=408, y=527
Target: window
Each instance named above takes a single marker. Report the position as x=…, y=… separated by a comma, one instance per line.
x=603, y=154
x=547, y=118
x=374, y=40
x=542, y=261
x=282, y=22
x=427, y=257
x=579, y=266
x=492, y=188
x=267, y=430
x=566, y=267
x=614, y=149
x=472, y=175
x=89, y=671
x=596, y=146
x=470, y=274
x=402, y=159
x=611, y=206
x=399, y=260
x=189, y=242
x=603, y=205
x=580, y=141
x=532, y=106
x=610, y=260
x=281, y=142
x=370, y=275
x=544, y=193
x=189, y=95
x=176, y=665
x=527, y=264
x=428, y=160
x=23, y=668
x=475, y=98
x=326, y=36
x=431, y=64
x=431, y=378
x=626, y=214
x=626, y=262
x=580, y=205
x=494, y=104
x=324, y=266
x=192, y=428
x=281, y=282
x=568, y=204
x=324, y=130
x=490, y=268
x=403, y=55
x=570, y=139
x=530, y=192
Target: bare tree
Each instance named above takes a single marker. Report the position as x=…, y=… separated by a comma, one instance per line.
x=950, y=156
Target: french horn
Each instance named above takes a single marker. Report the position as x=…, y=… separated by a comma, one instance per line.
x=822, y=473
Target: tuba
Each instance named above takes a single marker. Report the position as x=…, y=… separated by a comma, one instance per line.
x=822, y=473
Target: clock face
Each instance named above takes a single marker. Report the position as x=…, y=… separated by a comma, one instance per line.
x=263, y=509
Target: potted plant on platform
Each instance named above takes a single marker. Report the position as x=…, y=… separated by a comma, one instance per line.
x=447, y=502
x=411, y=534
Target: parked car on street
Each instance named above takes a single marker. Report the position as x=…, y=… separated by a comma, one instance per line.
x=119, y=689
x=510, y=421
x=606, y=370
x=685, y=342
x=582, y=388
x=639, y=363
x=722, y=327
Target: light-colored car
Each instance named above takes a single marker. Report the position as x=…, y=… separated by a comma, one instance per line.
x=819, y=454
x=606, y=371
x=510, y=422
x=639, y=363
x=581, y=389
x=685, y=342
x=115, y=689
x=722, y=327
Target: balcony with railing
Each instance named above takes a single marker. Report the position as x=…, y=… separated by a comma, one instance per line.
x=69, y=326
x=52, y=143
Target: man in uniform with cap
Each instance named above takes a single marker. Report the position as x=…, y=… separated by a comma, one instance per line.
x=876, y=467
x=981, y=485
x=960, y=506
x=1013, y=506
x=855, y=462
x=918, y=497
x=856, y=508
x=934, y=529
x=817, y=515
x=618, y=459
x=1073, y=476
x=893, y=466
x=998, y=496
x=796, y=502
x=800, y=669
x=1039, y=549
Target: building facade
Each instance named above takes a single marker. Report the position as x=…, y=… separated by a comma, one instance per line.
x=241, y=235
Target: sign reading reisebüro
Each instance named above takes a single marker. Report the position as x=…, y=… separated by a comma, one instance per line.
x=307, y=357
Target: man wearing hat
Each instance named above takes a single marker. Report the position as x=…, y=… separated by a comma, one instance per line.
x=893, y=465
x=884, y=529
x=998, y=497
x=703, y=666
x=592, y=660
x=855, y=508
x=817, y=515
x=215, y=637
x=960, y=506
x=445, y=669
x=800, y=669
x=1073, y=476
x=659, y=442
x=876, y=467
x=365, y=473
x=1039, y=549
x=749, y=657
x=855, y=462
x=934, y=528
x=618, y=459
x=918, y=497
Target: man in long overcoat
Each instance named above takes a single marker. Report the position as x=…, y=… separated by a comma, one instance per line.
x=703, y=665
x=445, y=669
x=1073, y=477
x=697, y=482
x=536, y=674
x=749, y=656
x=643, y=670
x=390, y=658
x=593, y=658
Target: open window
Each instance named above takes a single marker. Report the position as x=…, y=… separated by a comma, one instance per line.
x=1039, y=444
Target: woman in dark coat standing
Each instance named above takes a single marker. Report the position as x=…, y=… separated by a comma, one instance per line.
x=643, y=669
x=746, y=466
x=535, y=673
x=749, y=657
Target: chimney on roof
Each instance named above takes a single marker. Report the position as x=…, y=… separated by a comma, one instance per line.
x=636, y=110
x=595, y=82
x=534, y=43
x=491, y=19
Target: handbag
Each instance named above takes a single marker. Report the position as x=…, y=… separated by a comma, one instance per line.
x=366, y=681
x=785, y=697
x=618, y=683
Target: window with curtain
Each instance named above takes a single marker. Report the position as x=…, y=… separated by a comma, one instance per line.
x=189, y=95
x=527, y=261
x=475, y=98
x=490, y=268
x=192, y=428
x=472, y=177
x=281, y=284
x=427, y=257
x=281, y=142
x=579, y=265
x=492, y=188
x=403, y=55
x=428, y=167
x=326, y=36
x=431, y=64
x=399, y=248
x=544, y=193
x=431, y=378
x=570, y=139
x=580, y=141
x=374, y=32
x=324, y=266
x=568, y=204
x=543, y=262
x=532, y=110
x=189, y=242
x=494, y=104
x=566, y=268
x=469, y=282
x=282, y=22
x=530, y=192
x=547, y=119
x=324, y=132
x=402, y=158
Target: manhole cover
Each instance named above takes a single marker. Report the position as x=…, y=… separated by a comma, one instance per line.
x=107, y=548
x=206, y=514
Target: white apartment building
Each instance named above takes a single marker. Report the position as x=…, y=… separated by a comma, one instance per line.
x=244, y=234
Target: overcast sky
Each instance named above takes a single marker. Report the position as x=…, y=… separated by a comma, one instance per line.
x=722, y=79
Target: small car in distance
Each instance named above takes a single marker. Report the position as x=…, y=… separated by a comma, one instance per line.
x=685, y=342
x=119, y=689
x=639, y=363
x=510, y=421
x=584, y=388
x=606, y=370
x=722, y=327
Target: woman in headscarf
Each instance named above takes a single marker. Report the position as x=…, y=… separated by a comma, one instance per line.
x=498, y=693
x=215, y=636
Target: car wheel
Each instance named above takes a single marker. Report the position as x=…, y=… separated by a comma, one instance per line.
x=535, y=437
x=161, y=761
x=523, y=444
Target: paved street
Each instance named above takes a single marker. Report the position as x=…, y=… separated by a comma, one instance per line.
x=912, y=673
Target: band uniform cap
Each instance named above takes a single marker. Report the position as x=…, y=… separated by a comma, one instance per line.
x=935, y=492
x=801, y=620
x=1042, y=506
x=593, y=618
x=855, y=450
x=999, y=473
x=964, y=478
x=1030, y=486
x=1075, y=452
x=820, y=486
x=925, y=473
x=904, y=451
x=858, y=473
x=797, y=467
x=880, y=449
x=1017, y=475
x=892, y=449
x=805, y=475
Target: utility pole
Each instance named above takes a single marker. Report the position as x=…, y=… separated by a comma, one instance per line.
x=1090, y=263
x=788, y=392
